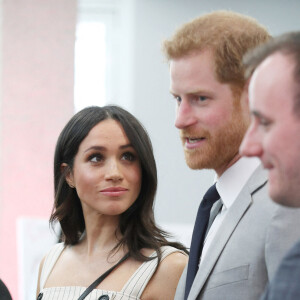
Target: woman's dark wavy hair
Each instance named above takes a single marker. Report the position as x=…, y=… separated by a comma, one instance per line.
x=137, y=224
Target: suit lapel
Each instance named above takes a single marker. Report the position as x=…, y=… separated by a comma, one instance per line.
x=214, y=211
x=234, y=215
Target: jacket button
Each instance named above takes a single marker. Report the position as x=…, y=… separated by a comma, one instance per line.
x=103, y=297
x=40, y=296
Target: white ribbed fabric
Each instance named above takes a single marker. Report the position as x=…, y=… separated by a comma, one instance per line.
x=133, y=288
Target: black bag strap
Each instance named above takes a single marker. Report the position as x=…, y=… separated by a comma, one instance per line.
x=102, y=277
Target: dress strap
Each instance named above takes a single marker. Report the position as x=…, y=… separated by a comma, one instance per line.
x=50, y=261
x=138, y=281
x=101, y=278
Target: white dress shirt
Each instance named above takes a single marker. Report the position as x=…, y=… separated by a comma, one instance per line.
x=229, y=185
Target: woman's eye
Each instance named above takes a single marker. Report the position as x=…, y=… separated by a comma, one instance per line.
x=128, y=156
x=95, y=158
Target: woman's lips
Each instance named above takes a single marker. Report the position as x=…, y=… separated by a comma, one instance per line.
x=114, y=191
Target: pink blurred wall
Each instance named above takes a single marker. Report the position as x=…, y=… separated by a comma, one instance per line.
x=37, y=61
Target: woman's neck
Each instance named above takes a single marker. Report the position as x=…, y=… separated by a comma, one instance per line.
x=101, y=235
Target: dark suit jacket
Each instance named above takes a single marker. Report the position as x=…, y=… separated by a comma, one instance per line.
x=286, y=282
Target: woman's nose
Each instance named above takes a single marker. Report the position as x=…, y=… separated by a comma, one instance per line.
x=113, y=171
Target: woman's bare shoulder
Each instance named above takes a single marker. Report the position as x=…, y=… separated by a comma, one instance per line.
x=173, y=263
x=164, y=282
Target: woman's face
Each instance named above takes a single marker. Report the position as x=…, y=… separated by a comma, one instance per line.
x=106, y=171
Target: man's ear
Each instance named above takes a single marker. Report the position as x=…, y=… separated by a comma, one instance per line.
x=64, y=168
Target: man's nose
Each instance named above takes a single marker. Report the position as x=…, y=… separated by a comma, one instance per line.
x=185, y=115
x=251, y=144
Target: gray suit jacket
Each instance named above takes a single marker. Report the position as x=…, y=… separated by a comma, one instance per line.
x=285, y=284
x=248, y=247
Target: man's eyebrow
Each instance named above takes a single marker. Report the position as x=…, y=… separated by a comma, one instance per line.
x=173, y=93
x=193, y=92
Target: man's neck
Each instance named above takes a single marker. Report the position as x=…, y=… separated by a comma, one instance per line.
x=226, y=166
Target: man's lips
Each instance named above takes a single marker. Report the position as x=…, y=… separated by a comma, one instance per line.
x=267, y=165
x=192, y=143
x=113, y=191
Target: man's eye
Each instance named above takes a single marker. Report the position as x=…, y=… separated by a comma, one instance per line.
x=202, y=98
x=178, y=99
x=129, y=156
x=264, y=122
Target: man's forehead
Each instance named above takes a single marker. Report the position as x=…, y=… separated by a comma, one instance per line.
x=276, y=70
x=276, y=66
x=271, y=85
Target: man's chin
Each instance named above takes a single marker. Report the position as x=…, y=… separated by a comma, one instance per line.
x=284, y=198
x=201, y=162
x=194, y=167
x=195, y=164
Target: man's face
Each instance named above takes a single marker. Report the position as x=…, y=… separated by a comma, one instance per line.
x=211, y=122
x=274, y=133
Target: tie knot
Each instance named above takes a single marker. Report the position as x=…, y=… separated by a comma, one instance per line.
x=212, y=194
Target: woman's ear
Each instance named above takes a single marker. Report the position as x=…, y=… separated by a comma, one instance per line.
x=64, y=168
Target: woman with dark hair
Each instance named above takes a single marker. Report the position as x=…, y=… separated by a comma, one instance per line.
x=105, y=182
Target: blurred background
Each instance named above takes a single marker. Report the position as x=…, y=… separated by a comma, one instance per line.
x=58, y=56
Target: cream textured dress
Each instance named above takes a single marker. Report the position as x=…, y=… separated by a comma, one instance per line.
x=133, y=288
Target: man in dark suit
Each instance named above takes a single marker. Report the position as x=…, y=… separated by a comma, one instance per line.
x=274, y=137
x=240, y=252
x=4, y=293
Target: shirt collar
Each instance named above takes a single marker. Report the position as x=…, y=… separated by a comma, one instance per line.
x=232, y=181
